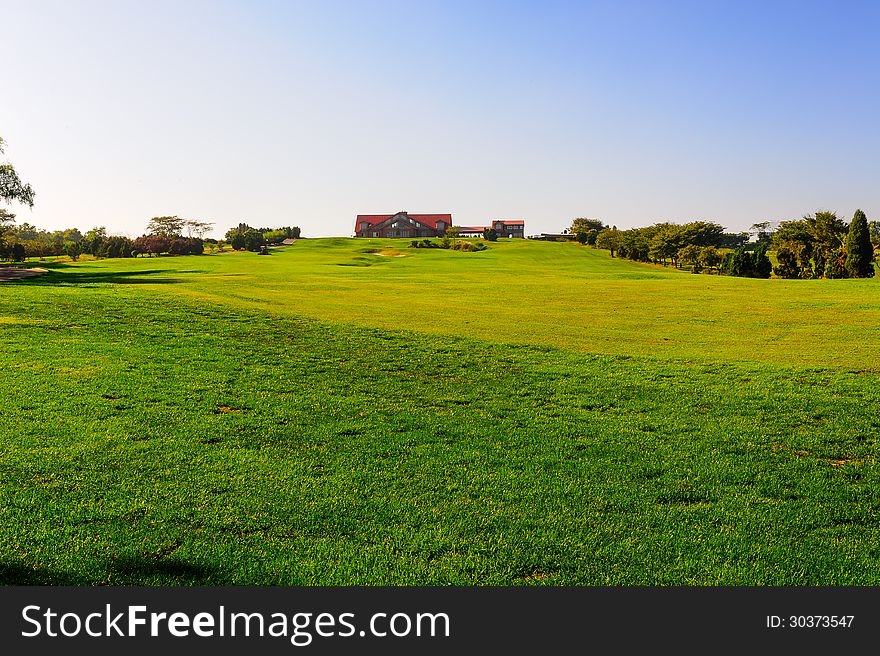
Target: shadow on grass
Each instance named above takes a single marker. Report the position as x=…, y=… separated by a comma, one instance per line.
x=77, y=276
x=125, y=570
x=139, y=570
x=21, y=574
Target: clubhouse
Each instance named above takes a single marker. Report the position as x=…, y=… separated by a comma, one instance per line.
x=402, y=224
x=406, y=225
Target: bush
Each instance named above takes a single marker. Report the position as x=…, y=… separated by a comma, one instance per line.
x=762, y=265
x=787, y=264
x=468, y=246
x=116, y=247
x=73, y=250
x=425, y=243
x=183, y=246
x=710, y=257
x=747, y=265
x=245, y=238
x=152, y=244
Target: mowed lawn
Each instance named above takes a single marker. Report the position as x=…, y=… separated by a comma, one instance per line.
x=535, y=414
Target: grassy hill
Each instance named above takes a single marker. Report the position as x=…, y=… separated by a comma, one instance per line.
x=537, y=413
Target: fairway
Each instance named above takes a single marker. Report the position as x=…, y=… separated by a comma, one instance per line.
x=534, y=414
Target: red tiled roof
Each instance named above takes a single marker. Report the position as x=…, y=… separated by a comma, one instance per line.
x=507, y=222
x=428, y=219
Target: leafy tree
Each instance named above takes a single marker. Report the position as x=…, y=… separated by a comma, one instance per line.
x=787, y=263
x=816, y=242
x=152, y=244
x=701, y=233
x=664, y=246
x=71, y=234
x=253, y=240
x=197, y=228
x=874, y=230
x=490, y=234
x=73, y=250
x=116, y=246
x=609, y=239
x=94, y=239
x=795, y=240
x=662, y=241
x=245, y=238
x=829, y=234
x=747, y=265
x=835, y=266
x=737, y=263
x=27, y=231
x=166, y=226
x=762, y=266
x=17, y=253
x=582, y=237
x=589, y=227
x=859, y=251
x=6, y=218
x=690, y=255
x=710, y=257
x=12, y=189
x=186, y=246
x=635, y=243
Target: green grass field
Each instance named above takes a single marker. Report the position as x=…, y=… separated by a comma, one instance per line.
x=535, y=414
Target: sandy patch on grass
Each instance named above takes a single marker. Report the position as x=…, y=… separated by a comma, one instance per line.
x=15, y=273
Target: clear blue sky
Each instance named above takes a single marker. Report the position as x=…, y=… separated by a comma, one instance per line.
x=308, y=113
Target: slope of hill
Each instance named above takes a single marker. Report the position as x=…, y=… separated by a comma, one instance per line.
x=533, y=414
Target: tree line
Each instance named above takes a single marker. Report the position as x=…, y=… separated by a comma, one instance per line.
x=821, y=245
x=164, y=234
x=697, y=244
x=245, y=238
x=818, y=246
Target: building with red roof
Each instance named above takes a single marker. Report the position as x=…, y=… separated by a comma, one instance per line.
x=502, y=227
x=406, y=225
x=402, y=224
